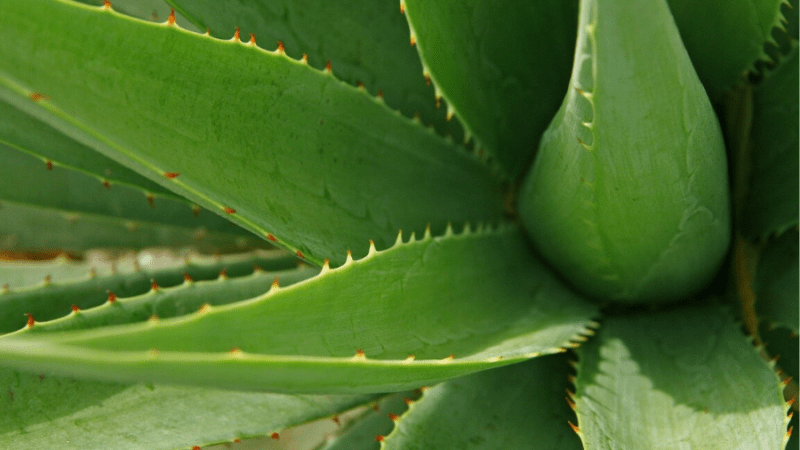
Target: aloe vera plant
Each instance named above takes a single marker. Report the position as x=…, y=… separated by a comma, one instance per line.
x=449, y=211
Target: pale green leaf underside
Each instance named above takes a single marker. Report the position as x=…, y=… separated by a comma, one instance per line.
x=24, y=132
x=71, y=191
x=500, y=306
x=281, y=147
x=687, y=378
x=52, y=412
x=366, y=42
x=776, y=282
x=744, y=27
x=502, y=66
x=24, y=227
x=54, y=299
x=514, y=408
x=772, y=200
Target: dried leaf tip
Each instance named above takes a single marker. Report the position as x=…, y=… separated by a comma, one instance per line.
x=328, y=67
x=112, y=297
x=106, y=5
x=171, y=175
x=31, y=321
x=171, y=18
x=360, y=355
x=281, y=50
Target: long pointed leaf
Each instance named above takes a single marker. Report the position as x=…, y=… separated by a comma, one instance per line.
x=687, y=378
x=285, y=150
x=360, y=321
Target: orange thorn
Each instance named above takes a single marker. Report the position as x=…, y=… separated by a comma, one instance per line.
x=402, y=8
x=229, y=210
x=151, y=199
x=237, y=440
x=275, y=436
x=360, y=354
x=379, y=438
x=49, y=164
x=106, y=5
x=360, y=84
x=187, y=278
x=380, y=94
x=791, y=401
x=235, y=351
x=574, y=427
x=106, y=184
x=427, y=77
x=171, y=175
x=271, y=237
x=281, y=49
x=75, y=308
x=171, y=18
x=570, y=403
x=195, y=210
x=252, y=39
x=394, y=417
x=413, y=41
x=112, y=297
x=787, y=380
x=328, y=67
x=275, y=283
x=196, y=447
x=408, y=401
x=305, y=58
x=299, y=254
x=153, y=285
x=30, y=319
x=223, y=273
x=336, y=420
x=208, y=31
x=438, y=102
x=36, y=96
x=789, y=432
x=236, y=37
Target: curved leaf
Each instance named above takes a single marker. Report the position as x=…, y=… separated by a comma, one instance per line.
x=776, y=283
x=366, y=43
x=502, y=66
x=500, y=306
x=24, y=227
x=42, y=411
x=510, y=408
x=362, y=433
x=686, y=378
x=744, y=27
x=285, y=150
x=55, y=299
x=772, y=199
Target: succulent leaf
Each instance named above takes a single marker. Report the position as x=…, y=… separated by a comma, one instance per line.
x=683, y=378
x=744, y=26
x=366, y=432
x=502, y=67
x=628, y=195
x=44, y=411
x=776, y=282
x=366, y=43
x=511, y=407
x=396, y=319
x=283, y=149
x=772, y=201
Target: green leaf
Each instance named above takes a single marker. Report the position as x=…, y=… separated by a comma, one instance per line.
x=362, y=433
x=628, y=196
x=510, y=408
x=503, y=67
x=25, y=133
x=285, y=150
x=55, y=299
x=776, y=282
x=744, y=27
x=686, y=378
x=43, y=411
x=501, y=306
x=772, y=200
x=24, y=227
x=365, y=41
x=153, y=10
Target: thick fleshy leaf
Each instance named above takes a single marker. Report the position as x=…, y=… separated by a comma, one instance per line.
x=366, y=42
x=24, y=227
x=43, y=411
x=54, y=299
x=363, y=433
x=776, y=282
x=515, y=407
x=457, y=303
x=628, y=196
x=24, y=132
x=744, y=27
x=772, y=201
x=502, y=66
x=283, y=149
x=153, y=10
x=686, y=378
